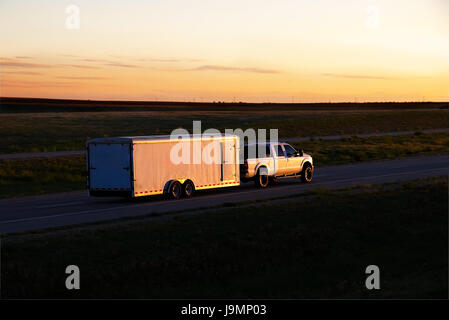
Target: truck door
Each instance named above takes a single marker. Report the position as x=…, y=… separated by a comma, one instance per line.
x=280, y=160
x=293, y=161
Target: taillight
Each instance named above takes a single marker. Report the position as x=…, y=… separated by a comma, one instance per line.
x=245, y=165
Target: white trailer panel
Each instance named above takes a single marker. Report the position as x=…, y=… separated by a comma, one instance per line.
x=150, y=168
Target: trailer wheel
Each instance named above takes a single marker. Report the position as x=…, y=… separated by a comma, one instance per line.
x=262, y=179
x=307, y=173
x=188, y=188
x=175, y=190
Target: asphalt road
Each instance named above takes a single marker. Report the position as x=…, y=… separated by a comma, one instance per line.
x=37, y=212
x=19, y=156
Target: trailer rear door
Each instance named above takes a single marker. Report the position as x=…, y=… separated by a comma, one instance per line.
x=109, y=166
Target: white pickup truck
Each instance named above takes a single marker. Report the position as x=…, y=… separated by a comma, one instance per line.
x=265, y=163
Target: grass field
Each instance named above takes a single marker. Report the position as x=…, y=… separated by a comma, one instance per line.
x=38, y=176
x=40, y=132
x=352, y=150
x=313, y=247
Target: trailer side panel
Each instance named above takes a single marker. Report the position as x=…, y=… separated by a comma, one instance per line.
x=154, y=166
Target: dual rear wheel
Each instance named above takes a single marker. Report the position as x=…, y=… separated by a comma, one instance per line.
x=178, y=190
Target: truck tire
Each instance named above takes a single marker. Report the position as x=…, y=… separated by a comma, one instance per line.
x=307, y=173
x=262, y=179
x=175, y=190
x=188, y=188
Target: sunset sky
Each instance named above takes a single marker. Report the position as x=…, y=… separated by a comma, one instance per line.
x=226, y=50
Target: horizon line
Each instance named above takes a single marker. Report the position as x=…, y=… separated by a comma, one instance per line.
x=221, y=101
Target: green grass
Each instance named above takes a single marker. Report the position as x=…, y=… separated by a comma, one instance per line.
x=39, y=176
x=375, y=148
x=299, y=248
x=40, y=132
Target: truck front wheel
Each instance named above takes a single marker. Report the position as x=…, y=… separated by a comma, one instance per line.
x=307, y=173
x=262, y=179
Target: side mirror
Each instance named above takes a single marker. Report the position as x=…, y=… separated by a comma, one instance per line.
x=300, y=153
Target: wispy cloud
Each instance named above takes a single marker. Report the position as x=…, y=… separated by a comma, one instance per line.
x=95, y=60
x=81, y=66
x=357, y=76
x=225, y=68
x=121, y=65
x=163, y=60
x=16, y=63
x=159, y=60
x=24, y=57
x=28, y=73
x=39, y=84
x=123, y=61
x=170, y=60
x=70, y=55
x=110, y=63
x=83, y=78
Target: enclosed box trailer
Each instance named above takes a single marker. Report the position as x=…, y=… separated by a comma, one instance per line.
x=144, y=166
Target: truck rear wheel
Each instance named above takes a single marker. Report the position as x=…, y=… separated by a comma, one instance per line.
x=188, y=188
x=175, y=190
x=307, y=173
x=262, y=179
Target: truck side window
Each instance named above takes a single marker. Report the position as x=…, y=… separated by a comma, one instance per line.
x=289, y=151
x=279, y=151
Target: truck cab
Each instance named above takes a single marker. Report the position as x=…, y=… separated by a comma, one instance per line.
x=269, y=162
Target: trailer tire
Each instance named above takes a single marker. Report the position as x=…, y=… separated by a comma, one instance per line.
x=188, y=188
x=175, y=190
x=307, y=173
x=262, y=180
